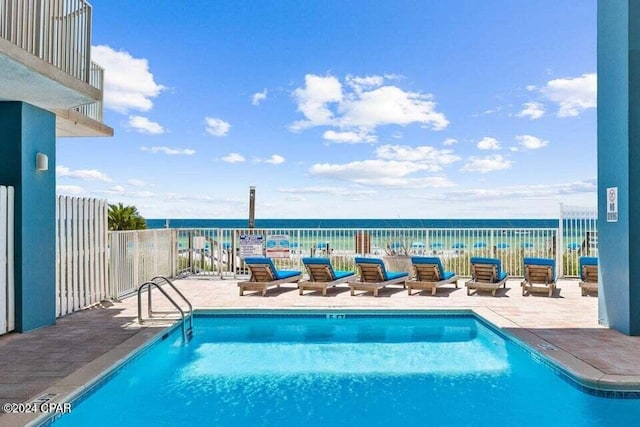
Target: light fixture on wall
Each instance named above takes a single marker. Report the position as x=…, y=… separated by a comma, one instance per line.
x=42, y=162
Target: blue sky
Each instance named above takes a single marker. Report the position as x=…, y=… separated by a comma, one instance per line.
x=342, y=109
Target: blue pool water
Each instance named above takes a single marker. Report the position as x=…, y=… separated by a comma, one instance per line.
x=351, y=371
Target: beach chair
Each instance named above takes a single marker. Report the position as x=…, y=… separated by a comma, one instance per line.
x=429, y=274
x=588, y=275
x=374, y=276
x=322, y=275
x=486, y=275
x=539, y=275
x=264, y=275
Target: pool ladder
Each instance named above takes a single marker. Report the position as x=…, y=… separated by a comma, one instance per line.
x=157, y=282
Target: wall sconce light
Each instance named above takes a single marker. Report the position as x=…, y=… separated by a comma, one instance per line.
x=42, y=162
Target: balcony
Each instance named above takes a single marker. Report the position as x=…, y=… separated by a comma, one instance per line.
x=45, y=60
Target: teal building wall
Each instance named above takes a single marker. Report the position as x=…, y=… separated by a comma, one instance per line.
x=26, y=130
x=619, y=163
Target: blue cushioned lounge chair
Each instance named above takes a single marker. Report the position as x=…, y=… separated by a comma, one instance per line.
x=264, y=275
x=429, y=274
x=539, y=275
x=322, y=275
x=486, y=275
x=374, y=276
x=588, y=274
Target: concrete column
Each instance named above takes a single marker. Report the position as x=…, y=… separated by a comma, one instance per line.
x=26, y=130
x=619, y=163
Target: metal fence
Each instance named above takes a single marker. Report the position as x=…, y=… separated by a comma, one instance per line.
x=81, y=253
x=578, y=233
x=137, y=256
x=215, y=252
x=7, y=297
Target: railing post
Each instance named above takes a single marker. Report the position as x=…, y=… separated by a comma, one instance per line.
x=560, y=244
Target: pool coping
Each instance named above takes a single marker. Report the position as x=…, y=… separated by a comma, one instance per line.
x=576, y=371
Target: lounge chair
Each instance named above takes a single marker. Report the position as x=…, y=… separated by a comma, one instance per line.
x=429, y=274
x=374, y=276
x=264, y=275
x=588, y=274
x=486, y=275
x=539, y=275
x=322, y=275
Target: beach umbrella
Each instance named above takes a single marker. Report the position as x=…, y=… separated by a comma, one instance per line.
x=226, y=245
x=458, y=245
x=322, y=245
x=396, y=245
x=295, y=244
x=502, y=245
x=479, y=245
x=417, y=245
x=436, y=245
x=527, y=245
x=573, y=246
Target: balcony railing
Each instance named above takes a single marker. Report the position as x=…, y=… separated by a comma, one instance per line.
x=58, y=32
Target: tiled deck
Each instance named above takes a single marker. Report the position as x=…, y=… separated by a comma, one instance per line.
x=61, y=358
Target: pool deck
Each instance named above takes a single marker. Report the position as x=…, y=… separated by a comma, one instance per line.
x=61, y=359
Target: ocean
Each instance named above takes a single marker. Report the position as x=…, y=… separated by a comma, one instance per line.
x=394, y=223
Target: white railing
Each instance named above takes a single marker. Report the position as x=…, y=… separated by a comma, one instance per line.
x=94, y=110
x=7, y=297
x=215, y=251
x=578, y=236
x=138, y=256
x=81, y=253
x=56, y=31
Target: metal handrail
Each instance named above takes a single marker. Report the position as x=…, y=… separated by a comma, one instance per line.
x=170, y=283
x=171, y=300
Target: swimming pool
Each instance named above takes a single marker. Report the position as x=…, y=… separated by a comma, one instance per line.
x=338, y=369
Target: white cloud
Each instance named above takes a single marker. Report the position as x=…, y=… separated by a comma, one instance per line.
x=348, y=137
x=390, y=105
x=71, y=190
x=349, y=193
x=449, y=141
x=258, y=97
x=573, y=95
x=362, y=106
x=136, y=182
x=216, y=127
x=488, y=143
x=170, y=151
x=533, y=110
x=144, y=125
x=83, y=174
x=387, y=173
x=431, y=157
x=487, y=164
x=128, y=83
x=275, y=159
x=313, y=101
x=530, y=142
x=233, y=158
x=117, y=189
x=526, y=192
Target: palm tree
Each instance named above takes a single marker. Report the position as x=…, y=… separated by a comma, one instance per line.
x=125, y=218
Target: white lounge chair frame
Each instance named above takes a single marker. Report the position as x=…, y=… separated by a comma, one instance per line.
x=538, y=278
x=263, y=278
x=483, y=278
x=590, y=284
x=427, y=277
x=372, y=279
x=320, y=279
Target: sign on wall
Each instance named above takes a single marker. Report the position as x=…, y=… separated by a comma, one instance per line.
x=612, y=204
x=278, y=246
x=251, y=245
